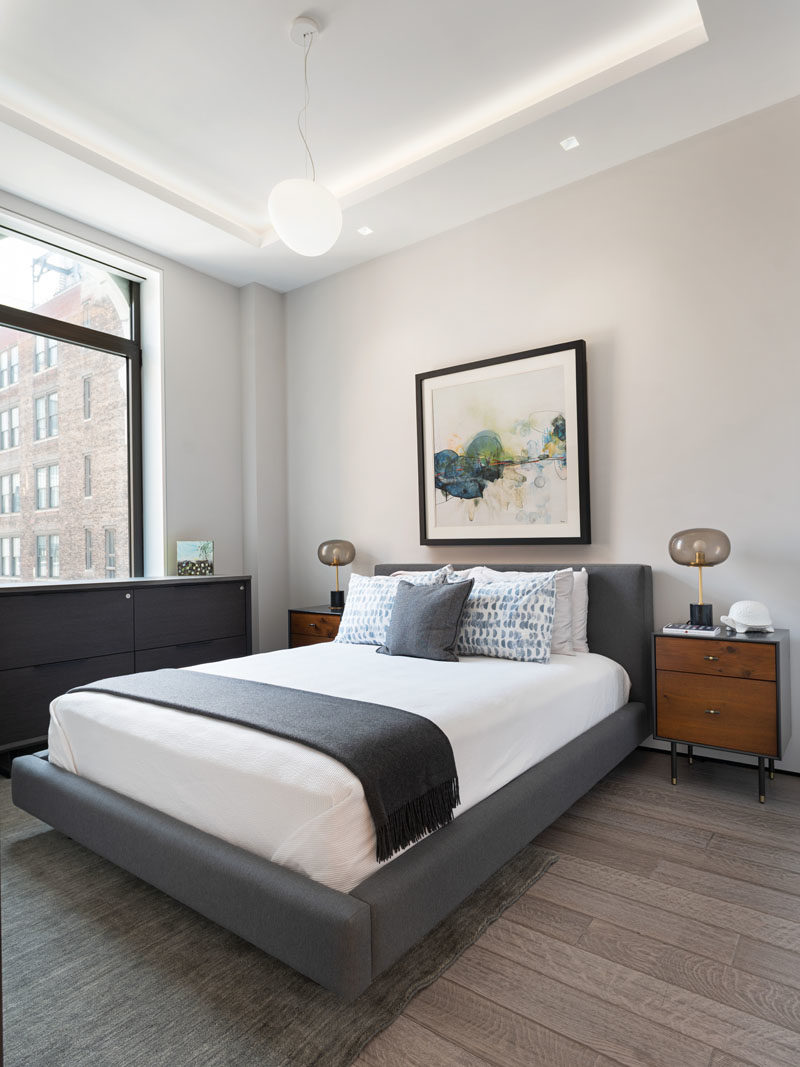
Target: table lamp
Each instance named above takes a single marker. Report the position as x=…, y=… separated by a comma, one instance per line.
x=336, y=554
x=700, y=547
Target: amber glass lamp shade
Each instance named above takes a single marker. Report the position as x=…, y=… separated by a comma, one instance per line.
x=336, y=554
x=700, y=547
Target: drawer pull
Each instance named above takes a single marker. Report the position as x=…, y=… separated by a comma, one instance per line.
x=312, y=626
x=711, y=659
x=712, y=711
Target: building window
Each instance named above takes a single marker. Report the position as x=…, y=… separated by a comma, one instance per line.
x=10, y=557
x=9, y=429
x=47, y=487
x=76, y=325
x=9, y=494
x=87, y=547
x=111, y=553
x=45, y=354
x=48, y=556
x=46, y=416
x=9, y=366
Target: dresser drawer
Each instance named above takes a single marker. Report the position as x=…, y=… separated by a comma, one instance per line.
x=181, y=614
x=727, y=658
x=317, y=627
x=732, y=713
x=188, y=655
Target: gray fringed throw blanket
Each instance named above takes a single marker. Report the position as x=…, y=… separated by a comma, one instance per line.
x=404, y=761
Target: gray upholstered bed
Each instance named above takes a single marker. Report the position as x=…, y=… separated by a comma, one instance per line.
x=344, y=940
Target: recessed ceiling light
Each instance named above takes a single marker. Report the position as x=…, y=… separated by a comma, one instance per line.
x=569, y=142
x=365, y=231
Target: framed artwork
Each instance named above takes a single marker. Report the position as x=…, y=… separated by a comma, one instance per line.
x=503, y=450
x=195, y=557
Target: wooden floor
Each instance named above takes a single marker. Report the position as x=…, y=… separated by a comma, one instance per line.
x=667, y=933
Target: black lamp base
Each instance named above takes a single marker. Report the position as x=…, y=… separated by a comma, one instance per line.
x=701, y=614
x=337, y=599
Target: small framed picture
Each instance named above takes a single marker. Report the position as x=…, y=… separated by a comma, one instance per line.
x=195, y=557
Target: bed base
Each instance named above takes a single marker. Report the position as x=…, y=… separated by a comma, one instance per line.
x=345, y=940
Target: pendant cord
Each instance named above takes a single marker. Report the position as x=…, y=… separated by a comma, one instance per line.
x=302, y=115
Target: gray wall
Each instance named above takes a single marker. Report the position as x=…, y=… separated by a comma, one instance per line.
x=680, y=271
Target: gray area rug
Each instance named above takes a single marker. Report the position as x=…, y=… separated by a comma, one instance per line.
x=102, y=969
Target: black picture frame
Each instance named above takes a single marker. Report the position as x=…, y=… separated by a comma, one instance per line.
x=503, y=450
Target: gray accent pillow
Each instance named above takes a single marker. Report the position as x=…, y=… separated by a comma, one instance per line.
x=425, y=621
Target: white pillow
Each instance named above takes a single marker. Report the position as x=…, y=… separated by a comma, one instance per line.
x=561, y=641
x=580, y=610
x=368, y=608
x=510, y=620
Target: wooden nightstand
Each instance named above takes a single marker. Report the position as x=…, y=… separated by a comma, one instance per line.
x=310, y=626
x=729, y=692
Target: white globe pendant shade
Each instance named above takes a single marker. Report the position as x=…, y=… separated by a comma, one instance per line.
x=305, y=215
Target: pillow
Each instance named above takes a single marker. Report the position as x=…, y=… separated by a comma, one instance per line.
x=580, y=611
x=510, y=620
x=561, y=642
x=369, y=603
x=425, y=621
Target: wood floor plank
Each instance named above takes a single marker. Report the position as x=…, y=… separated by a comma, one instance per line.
x=701, y=907
x=699, y=1018
x=770, y=855
x=769, y=961
x=504, y=1037
x=611, y=854
x=639, y=818
x=550, y=918
x=620, y=1034
x=733, y=890
x=769, y=1000
x=722, y=1059
x=407, y=1044
x=645, y=918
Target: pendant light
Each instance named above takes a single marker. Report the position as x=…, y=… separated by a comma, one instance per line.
x=304, y=214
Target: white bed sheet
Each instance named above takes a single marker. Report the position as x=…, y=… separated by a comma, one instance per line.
x=298, y=807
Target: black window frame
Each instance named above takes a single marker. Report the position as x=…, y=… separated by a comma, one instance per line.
x=130, y=350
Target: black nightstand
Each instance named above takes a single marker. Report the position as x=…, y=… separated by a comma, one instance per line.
x=310, y=626
x=729, y=692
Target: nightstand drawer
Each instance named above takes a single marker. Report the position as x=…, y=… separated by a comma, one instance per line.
x=696, y=655
x=732, y=713
x=309, y=624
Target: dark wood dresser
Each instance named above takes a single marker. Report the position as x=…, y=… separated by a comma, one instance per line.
x=729, y=692
x=56, y=636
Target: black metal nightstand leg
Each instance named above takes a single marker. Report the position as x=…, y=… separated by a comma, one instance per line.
x=673, y=752
x=771, y=765
x=690, y=753
x=762, y=782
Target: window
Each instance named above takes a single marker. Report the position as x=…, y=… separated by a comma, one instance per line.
x=45, y=354
x=10, y=557
x=9, y=429
x=47, y=487
x=46, y=416
x=9, y=494
x=9, y=366
x=48, y=556
x=71, y=324
x=111, y=553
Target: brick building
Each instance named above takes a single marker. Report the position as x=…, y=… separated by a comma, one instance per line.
x=64, y=444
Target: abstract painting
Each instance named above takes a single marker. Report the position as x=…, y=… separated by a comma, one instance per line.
x=503, y=450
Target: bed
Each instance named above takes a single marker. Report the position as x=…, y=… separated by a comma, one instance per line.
x=344, y=937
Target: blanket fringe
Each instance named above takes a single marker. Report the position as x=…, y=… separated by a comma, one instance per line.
x=419, y=817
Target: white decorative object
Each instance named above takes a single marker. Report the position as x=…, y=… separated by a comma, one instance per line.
x=747, y=615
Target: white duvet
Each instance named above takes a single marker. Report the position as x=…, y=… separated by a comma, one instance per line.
x=298, y=807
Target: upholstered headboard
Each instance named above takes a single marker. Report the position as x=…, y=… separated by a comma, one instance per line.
x=620, y=610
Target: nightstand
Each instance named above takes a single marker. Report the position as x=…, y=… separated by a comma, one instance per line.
x=729, y=692
x=310, y=626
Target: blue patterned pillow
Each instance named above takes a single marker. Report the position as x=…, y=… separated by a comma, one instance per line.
x=368, y=608
x=510, y=620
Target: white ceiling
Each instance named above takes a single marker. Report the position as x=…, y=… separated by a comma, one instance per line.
x=167, y=123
